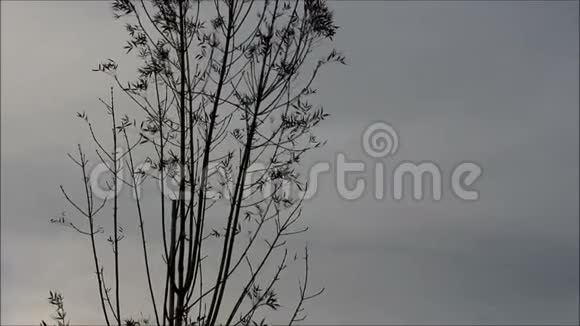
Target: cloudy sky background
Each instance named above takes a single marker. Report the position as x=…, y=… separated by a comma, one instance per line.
x=491, y=82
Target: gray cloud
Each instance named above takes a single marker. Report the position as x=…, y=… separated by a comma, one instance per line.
x=491, y=82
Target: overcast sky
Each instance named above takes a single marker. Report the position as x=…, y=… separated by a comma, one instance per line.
x=495, y=83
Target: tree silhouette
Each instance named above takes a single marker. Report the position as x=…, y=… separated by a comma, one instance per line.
x=223, y=121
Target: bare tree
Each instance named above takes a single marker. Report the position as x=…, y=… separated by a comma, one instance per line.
x=57, y=300
x=223, y=122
